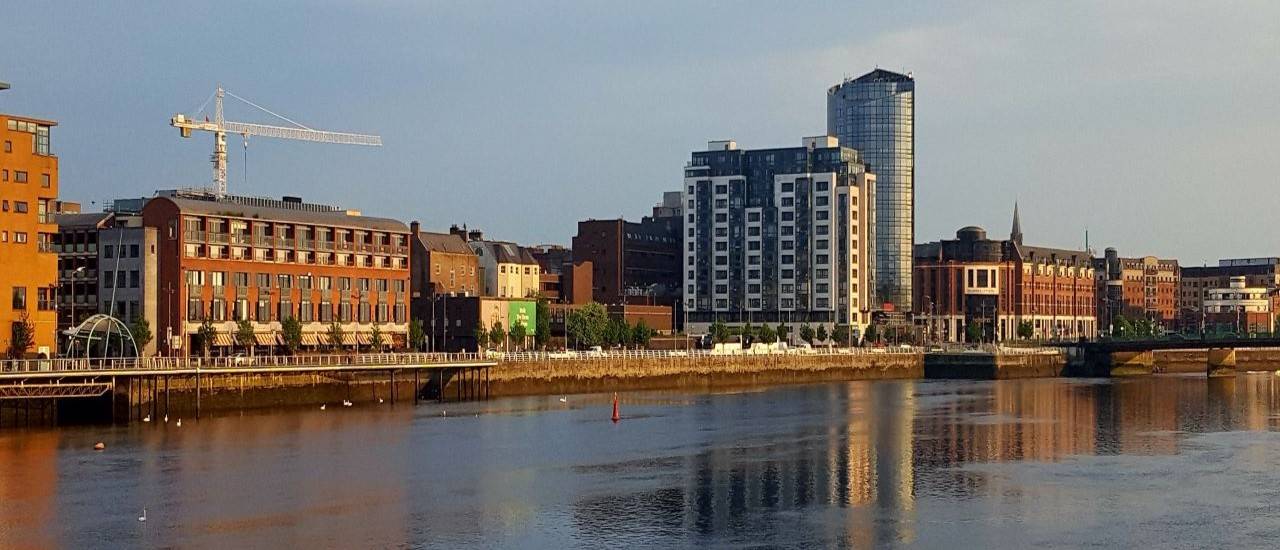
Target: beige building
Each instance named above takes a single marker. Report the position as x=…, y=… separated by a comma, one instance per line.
x=507, y=270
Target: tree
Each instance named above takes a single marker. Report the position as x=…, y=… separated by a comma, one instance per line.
x=719, y=332
x=806, y=333
x=542, y=323
x=748, y=333
x=23, y=337
x=587, y=325
x=617, y=332
x=973, y=332
x=1122, y=327
x=334, y=336
x=497, y=335
x=871, y=335
x=141, y=332
x=1025, y=330
x=641, y=334
x=207, y=334
x=767, y=335
x=245, y=335
x=482, y=337
x=841, y=334
x=291, y=331
x=375, y=338
x=517, y=333
x=417, y=336
x=783, y=332
x=822, y=333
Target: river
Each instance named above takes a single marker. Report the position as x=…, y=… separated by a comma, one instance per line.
x=1166, y=461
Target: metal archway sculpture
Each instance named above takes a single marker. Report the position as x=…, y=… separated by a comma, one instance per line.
x=104, y=334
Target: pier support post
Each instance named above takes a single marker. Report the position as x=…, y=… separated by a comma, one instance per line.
x=1132, y=363
x=1222, y=362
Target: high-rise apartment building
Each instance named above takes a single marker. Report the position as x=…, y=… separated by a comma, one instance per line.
x=1137, y=288
x=776, y=235
x=28, y=263
x=875, y=114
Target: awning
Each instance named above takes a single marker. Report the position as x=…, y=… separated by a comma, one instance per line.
x=265, y=338
x=348, y=339
x=365, y=339
x=310, y=339
x=221, y=339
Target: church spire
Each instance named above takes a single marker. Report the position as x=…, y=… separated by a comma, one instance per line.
x=1015, y=235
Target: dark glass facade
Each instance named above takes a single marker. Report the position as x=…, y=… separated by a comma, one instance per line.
x=875, y=114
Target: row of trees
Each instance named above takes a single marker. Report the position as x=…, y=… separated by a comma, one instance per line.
x=591, y=325
x=245, y=337
x=766, y=334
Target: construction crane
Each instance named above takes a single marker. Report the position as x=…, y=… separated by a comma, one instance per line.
x=220, y=127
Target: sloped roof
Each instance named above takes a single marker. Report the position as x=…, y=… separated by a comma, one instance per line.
x=444, y=242
x=506, y=252
x=266, y=213
x=881, y=75
x=89, y=220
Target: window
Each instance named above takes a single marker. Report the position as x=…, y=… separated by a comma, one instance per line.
x=20, y=207
x=264, y=280
x=218, y=278
x=722, y=260
x=722, y=203
x=753, y=245
x=753, y=274
x=788, y=202
x=241, y=279
x=45, y=181
x=820, y=186
x=344, y=283
x=788, y=245
x=722, y=289
x=788, y=187
x=133, y=279
x=284, y=310
x=195, y=309
x=325, y=283
x=820, y=215
x=721, y=218
x=19, y=297
x=722, y=189
x=753, y=231
x=304, y=282
x=788, y=216
x=822, y=244
x=753, y=216
x=306, y=312
x=787, y=230
x=821, y=259
x=788, y=259
x=8, y=146
x=788, y=273
x=753, y=288
x=19, y=237
x=108, y=251
x=263, y=311
x=823, y=288
x=722, y=246
x=284, y=281
x=19, y=176
x=820, y=230
x=133, y=251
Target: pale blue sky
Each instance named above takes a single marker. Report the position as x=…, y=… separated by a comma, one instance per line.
x=1152, y=124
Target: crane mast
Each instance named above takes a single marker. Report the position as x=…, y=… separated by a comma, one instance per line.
x=220, y=127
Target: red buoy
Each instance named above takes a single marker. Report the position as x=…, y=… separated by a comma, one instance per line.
x=616, y=416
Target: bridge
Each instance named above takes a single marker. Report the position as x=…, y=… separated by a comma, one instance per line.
x=141, y=387
x=1136, y=357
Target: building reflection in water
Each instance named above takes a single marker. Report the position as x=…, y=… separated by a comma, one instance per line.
x=852, y=474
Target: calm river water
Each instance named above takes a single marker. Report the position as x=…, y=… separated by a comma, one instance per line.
x=1163, y=461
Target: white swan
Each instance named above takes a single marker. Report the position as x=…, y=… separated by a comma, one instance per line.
x=143, y=517
x=146, y=418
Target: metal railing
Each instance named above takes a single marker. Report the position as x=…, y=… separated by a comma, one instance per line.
x=213, y=364
x=570, y=355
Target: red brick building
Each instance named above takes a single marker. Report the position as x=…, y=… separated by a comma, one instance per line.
x=998, y=285
x=235, y=258
x=1137, y=288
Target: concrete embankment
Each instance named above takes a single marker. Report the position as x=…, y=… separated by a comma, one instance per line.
x=1196, y=361
x=989, y=366
x=551, y=377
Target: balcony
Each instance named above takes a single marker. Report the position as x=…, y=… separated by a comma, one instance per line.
x=194, y=236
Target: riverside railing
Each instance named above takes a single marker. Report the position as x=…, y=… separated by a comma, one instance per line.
x=532, y=356
x=264, y=362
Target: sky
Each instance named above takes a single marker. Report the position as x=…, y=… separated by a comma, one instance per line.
x=1153, y=126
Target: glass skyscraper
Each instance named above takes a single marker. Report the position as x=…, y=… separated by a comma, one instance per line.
x=875, y=114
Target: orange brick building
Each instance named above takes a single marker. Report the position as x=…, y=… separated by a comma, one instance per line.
x=231, y=258
x=1001, y=285
x=28, y=262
